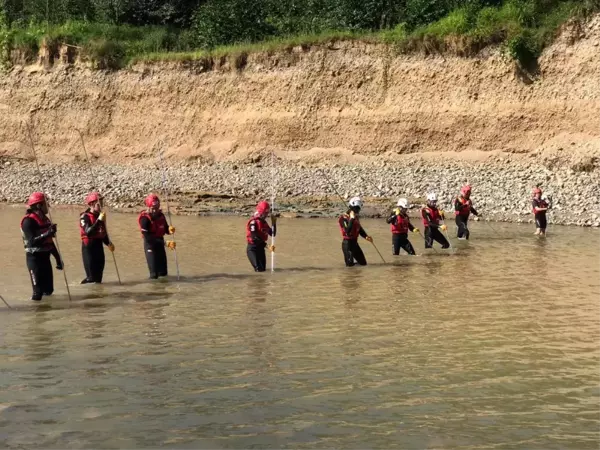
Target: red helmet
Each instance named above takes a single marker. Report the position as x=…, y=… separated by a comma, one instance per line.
x=92, y=197
x=152, y=201
x=466, y=189
x=537, y=191
x=35, y=198
x=263, y=208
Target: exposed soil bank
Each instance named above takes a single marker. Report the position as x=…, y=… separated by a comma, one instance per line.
x=435, y=121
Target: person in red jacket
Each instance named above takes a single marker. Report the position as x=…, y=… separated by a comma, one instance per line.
x=463, y=208
x=38, y=233
x=351, y=229
x=540, y=207
x=257, y=235
x=400, y=226
x=432, y=221
x=92, y=229
x=153, y=225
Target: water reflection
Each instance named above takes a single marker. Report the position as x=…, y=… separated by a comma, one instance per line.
x=350, y=281
x=42, y=340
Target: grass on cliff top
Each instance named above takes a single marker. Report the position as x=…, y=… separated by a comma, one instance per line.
x=463, y=31
x=271, y=45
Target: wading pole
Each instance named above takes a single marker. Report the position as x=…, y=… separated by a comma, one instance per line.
x=164, y=182
x=273, y=188
x=5, y=302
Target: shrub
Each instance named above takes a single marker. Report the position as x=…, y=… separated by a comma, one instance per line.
x=222, y=22
x=106, y=54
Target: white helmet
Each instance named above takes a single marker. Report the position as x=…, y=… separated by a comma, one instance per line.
x=355, y=201
x=432, y=197
x=403, y=203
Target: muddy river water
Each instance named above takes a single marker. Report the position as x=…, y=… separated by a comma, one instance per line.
x=495, y=344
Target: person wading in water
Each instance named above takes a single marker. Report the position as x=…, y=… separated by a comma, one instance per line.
x=257, y=234
x=431, y=220
x=540, y=208
x=400, y=226
x=351, y=229
x=154, y=226
x=37, y=232
x=92, y=229
x=463, y=208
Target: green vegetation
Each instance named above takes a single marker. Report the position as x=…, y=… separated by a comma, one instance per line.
x=113, y=33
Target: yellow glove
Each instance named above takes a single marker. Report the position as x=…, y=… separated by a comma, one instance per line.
x=271, y=248
x=171, y=244
x=444, y=227
x=102, y=217
x=171, y=230
x=352, y=215
x=416, y=230
x=370, y=239
x=442, y=215
x=397, y=211
x=111, y=247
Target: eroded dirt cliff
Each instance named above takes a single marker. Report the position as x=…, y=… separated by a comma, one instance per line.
x=383, y=124
x=345, y=98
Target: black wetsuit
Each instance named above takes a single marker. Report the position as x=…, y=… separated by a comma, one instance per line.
x=432, y=231
x=38, y=250
x=154, y=246
x=400, y=240
x=351, y=229
x=462, y=219
x=92, y=250
x=257, y=232
x=540, y=216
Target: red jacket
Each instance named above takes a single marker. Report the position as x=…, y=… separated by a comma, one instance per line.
x=158, y=226
x=434, y=215
x=99, y=233
x=354, y=232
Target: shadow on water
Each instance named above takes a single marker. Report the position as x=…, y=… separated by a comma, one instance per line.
x=256, y=289
x=107, y=298
x=350, y=281
x=42, y=341
x=90, y=301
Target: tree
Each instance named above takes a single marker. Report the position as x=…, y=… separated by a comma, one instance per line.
x=221, y=22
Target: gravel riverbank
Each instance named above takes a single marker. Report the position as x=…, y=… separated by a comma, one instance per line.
x=501, y=186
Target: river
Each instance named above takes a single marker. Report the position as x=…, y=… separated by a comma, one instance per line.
x=493, y=344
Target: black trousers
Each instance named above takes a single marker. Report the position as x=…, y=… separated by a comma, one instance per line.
x=434, y=234
x=93, y=260
x=156, y=257
x=401, y=241
x=40, y=272
x=463, y=227
x=257, y=256
x=540, y=221
x=352, y=252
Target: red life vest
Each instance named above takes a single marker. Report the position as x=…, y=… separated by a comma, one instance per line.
x=44, y=224
x=465, y=209
x=539, y=204
x=401, y=226
x=434, y=214
x=354, y=232
x=100, y=232
x=158, y=225
x=262, y=229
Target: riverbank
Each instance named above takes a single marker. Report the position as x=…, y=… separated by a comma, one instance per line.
x=501, y=184
x=381, y=125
